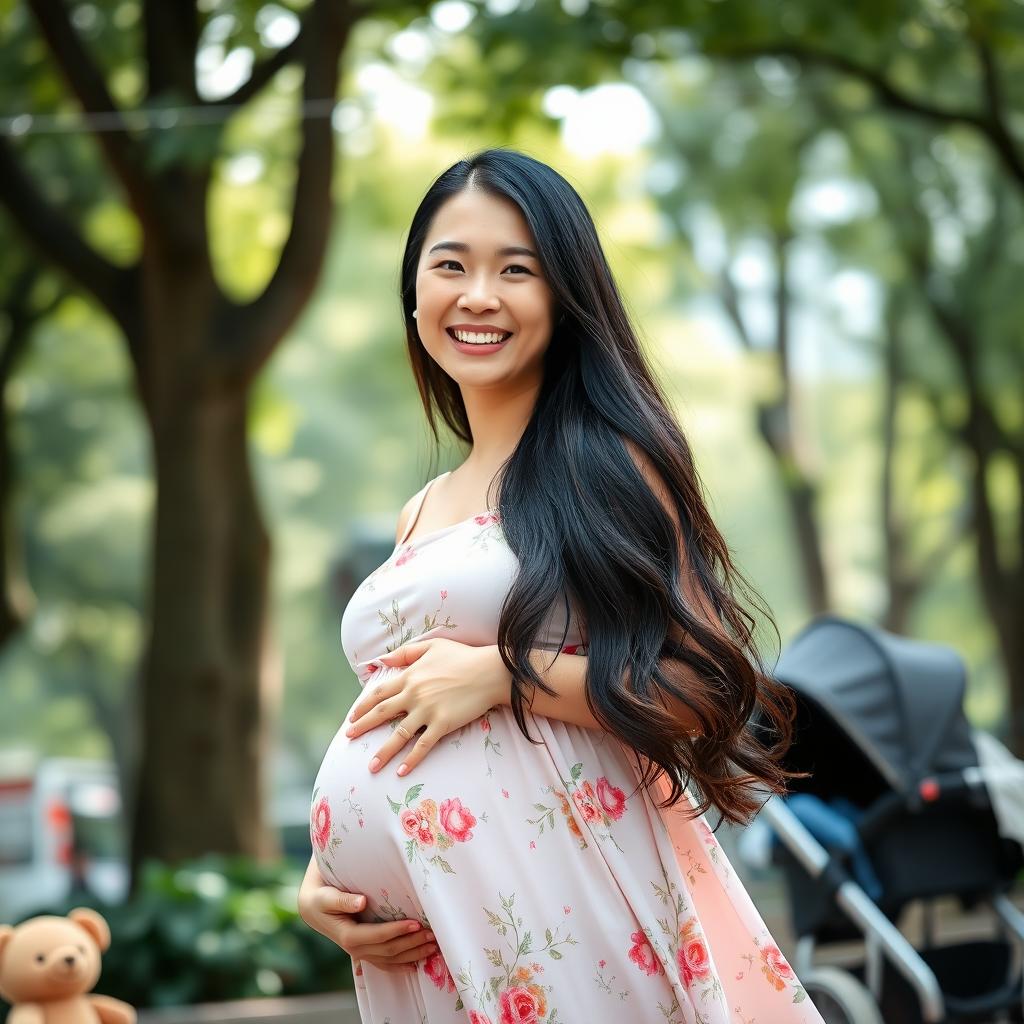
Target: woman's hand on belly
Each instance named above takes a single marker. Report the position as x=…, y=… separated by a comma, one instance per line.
x=393, y=946
x=441, y=686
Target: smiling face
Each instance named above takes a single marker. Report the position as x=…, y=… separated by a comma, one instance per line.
x=484, y=309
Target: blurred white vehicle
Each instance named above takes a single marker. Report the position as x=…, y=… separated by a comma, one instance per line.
x=61, y=833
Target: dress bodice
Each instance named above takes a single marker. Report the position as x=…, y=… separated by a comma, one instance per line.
x=449, y=582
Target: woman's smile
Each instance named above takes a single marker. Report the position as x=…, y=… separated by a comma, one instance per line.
x=478, y=342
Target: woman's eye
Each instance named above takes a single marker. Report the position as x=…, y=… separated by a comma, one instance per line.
x=443, y=265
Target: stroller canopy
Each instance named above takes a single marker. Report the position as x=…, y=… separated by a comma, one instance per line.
x=900, y=701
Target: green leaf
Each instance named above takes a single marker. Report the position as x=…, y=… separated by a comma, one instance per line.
x=547, y=936
x=459, y=1005
x=577, y=771
x=554, y=954
x=396, y=807
x=414, y=791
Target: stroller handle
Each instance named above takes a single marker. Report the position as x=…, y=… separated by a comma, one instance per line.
x=932, y=790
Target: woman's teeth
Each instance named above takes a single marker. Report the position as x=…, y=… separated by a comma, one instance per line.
x=476, y=338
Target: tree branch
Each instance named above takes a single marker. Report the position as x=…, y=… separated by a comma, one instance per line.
x=172, y=37
x=58, y=240
x=88, y=85
x=256, y=328
x=998, y=131
x=729, y=296
x=890, y=93
x=263, y=72
x=894, y=97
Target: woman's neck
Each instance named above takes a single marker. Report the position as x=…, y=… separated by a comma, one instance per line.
x=497, y=420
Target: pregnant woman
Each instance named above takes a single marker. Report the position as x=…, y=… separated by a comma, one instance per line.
x=551, y=653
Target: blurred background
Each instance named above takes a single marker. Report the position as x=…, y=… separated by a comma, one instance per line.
x=209, y=424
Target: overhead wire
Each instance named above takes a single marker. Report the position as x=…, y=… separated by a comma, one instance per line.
x=146, y=118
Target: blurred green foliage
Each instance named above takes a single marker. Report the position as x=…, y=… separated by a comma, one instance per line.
x=214, y=929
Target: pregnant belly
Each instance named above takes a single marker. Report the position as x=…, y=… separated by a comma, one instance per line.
x=483, y=800
x=387, y=836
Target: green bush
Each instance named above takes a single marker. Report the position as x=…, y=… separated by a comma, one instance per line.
x=214, y=929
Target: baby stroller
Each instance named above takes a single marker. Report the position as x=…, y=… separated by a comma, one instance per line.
x=881, y=727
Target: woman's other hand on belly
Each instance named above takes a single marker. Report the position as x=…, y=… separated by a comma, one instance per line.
x=442, y=685
x=392, y=946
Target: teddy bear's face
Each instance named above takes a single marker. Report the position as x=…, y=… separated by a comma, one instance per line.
x=48, y=958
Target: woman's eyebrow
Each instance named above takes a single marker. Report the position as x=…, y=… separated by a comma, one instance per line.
x=508, y=250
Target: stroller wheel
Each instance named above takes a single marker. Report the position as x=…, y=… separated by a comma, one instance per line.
x=839, y=997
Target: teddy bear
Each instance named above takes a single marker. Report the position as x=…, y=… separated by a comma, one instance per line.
x=48, y=966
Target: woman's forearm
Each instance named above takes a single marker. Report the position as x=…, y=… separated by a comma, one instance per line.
x=567, y=676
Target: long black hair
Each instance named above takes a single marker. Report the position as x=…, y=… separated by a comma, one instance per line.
x=586, y=527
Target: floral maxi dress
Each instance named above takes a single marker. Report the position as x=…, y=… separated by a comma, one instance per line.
x=551, y=882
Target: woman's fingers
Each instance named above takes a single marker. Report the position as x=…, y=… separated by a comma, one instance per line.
x=400, y=956
x=403, y=656
x=403, y=733
x=373, y=695
x=328, y=900
x=379, y=707
x=363, y=936
x=423, y=745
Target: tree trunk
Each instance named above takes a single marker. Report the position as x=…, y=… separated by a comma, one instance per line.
x=199, y=786
x=775, y=421
x=202, y=679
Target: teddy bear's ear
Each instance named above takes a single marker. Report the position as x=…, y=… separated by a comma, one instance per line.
x=94, y=924
x=6, y=931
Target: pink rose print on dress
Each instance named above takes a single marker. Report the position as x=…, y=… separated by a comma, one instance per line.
x=425, y=833
x=437, y=971
x=586, y=800
x=456, y=820
x=597, y=808
x=408, y=552
x=642, y=954
x=429, y=831
x=488, y=529
x=410, y=822
x=518, y=1006
x=692, y=958
x=476, y=1017
x=321, y=823
x=775, y=967
x=612, y=799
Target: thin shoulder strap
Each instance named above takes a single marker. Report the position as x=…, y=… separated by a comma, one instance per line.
x=416, y=509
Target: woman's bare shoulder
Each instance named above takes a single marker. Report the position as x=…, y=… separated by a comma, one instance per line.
x=403, y=516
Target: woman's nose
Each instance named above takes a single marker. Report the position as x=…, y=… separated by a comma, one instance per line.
x=478, y=301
